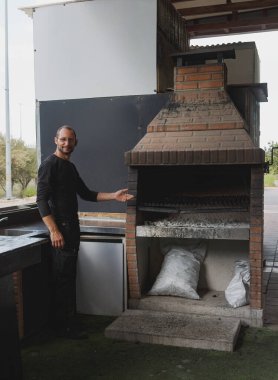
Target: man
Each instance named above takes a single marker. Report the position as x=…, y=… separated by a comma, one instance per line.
x=58, y=186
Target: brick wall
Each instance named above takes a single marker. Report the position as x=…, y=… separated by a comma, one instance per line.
x=256, y=237
x=200, y=77
x=131, y=252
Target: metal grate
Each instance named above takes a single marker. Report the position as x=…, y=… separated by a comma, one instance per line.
x=198, y=204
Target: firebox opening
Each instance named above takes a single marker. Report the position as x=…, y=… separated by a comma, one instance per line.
x=215, y=272
x=192, y=189
x=178, y=204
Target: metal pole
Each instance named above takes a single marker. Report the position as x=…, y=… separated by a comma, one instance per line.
x=8, y=137
x=20, y=121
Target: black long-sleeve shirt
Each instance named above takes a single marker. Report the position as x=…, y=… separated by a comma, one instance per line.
x=58, y=185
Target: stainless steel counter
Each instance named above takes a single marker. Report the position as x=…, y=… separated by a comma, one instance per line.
x=100, y=225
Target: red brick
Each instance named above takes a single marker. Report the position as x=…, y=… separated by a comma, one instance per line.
x=257, y=272
x=256, y=304
x=217, y=75
x=255, y=247
x=131, y=256
x=255, y=263
x=256, y=220
x=131, y=265
x=131, y=251
x=186, y=70
x=197, y=77
x=134, y=294
x=186, y=86
x=130, y=242
x=130, y=227
x=221, y=125
x=134, y=288
x=179, y=78
x=256, y=238
x=131, y=218
x=255, y=255
x=196, y=127
x=133, y=280
x=206, y=68
x=132, y=272
x=130, y=235
x=211, y=84
x=255, y=294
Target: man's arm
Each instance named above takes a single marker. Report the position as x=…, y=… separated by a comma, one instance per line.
x=56, y=237
x=120, y=196
x=43, y=194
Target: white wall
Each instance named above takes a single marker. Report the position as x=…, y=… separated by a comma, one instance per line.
x=95, y=49
x=246, y=67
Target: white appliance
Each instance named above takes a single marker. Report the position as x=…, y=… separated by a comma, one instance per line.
x=101, y=277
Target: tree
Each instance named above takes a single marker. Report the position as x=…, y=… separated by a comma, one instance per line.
x=273, y=169
x=2, y=163
x=23, y=162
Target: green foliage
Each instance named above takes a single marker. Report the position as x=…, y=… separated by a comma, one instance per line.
x=30, y=191
x=273, y=169
x=23, y=162
x=269, y=180
x=2, y=163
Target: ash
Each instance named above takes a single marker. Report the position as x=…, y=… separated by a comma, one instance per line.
x=201, y=220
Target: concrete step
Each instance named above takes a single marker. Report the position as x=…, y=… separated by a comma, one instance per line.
x=212, y=303
x=175, y=329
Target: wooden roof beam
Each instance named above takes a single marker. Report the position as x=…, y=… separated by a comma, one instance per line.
x=230, y=7
x=264, y=22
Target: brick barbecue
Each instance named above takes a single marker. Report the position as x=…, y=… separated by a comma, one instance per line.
x=197, y=173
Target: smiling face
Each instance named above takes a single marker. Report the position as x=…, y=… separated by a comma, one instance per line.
x=65, y=141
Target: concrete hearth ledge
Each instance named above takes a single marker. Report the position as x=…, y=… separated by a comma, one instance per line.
x=212, y=303
x=175, y=329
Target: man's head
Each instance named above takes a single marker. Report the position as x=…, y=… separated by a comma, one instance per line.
x=65, y=141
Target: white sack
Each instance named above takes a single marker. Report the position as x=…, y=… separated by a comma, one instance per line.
x=179, y=273
x=237, y=291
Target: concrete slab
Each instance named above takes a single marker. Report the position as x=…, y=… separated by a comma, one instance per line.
x=212, y=303
x=175, y=329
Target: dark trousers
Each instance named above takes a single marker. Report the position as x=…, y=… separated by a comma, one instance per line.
x=63, y=276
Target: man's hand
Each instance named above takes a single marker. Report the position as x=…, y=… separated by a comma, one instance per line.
x=123, y=196
x=120, y=196
x=57, y=239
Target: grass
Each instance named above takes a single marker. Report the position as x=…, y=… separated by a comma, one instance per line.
x=47, y=358
x=17, y=191
x=269, y=180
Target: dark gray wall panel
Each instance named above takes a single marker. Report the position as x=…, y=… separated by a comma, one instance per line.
x=106, y=128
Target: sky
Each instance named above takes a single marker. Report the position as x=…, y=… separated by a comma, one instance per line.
x=21, y=73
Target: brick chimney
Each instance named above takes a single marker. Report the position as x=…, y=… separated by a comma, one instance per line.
x=200, y=124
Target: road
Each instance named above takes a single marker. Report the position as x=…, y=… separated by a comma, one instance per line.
x=271, y=200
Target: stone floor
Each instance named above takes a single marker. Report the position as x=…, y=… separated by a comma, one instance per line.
x=271, y=256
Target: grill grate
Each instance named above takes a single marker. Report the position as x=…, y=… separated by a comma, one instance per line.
x=198, y=204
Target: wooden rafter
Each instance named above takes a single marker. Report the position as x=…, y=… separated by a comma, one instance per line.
x=206, y=28
x=229, y=7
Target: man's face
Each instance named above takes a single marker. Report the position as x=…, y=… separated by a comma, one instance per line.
x=65, y=141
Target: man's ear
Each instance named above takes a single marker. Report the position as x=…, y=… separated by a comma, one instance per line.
x=55, y=140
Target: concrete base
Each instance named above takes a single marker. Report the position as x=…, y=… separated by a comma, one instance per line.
x=212, y=303
x=175, y=329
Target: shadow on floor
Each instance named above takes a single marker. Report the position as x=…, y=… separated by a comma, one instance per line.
x=48, y=358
